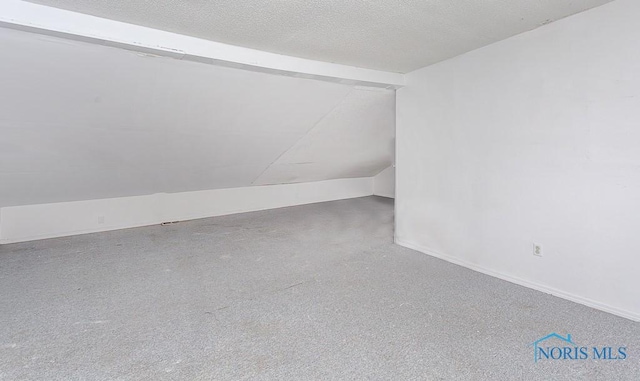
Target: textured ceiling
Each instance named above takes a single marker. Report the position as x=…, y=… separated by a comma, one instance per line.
x=80, y=121
x=391, y=35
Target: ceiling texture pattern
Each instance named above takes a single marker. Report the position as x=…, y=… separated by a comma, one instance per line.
x=391, y=35
x=82, y=121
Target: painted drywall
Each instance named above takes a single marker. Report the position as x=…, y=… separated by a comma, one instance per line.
x=81, y=121
x=311, y=158
x=384, y=183
x=531, y=140
x=32, y=222
x=397, y=36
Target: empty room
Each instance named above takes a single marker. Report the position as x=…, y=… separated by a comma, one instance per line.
x=319, y=190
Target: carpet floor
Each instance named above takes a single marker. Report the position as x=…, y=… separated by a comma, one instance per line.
x=314, y=292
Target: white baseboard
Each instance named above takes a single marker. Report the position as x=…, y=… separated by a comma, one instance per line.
x=533, y=285
x=33, y=222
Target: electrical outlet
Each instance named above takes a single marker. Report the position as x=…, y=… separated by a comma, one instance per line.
x=100, y=220
x=537, y=250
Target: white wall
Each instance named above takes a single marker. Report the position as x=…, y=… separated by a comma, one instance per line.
x=96, y=138
x=532, y=139
x=353, y=140
x=384, y=183
x=80, y=121
x=31, y=222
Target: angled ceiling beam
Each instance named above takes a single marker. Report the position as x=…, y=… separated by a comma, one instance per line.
x=41, y=19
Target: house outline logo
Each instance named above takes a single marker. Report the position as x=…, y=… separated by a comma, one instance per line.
x=549, y=336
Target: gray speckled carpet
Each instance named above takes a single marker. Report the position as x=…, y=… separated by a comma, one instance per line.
x=314, y=292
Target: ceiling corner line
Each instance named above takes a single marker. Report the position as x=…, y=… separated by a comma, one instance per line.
x=40, y=19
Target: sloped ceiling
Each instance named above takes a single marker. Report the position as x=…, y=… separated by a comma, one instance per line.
x=81, y=121
x=361, y=120
x=393, y=35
